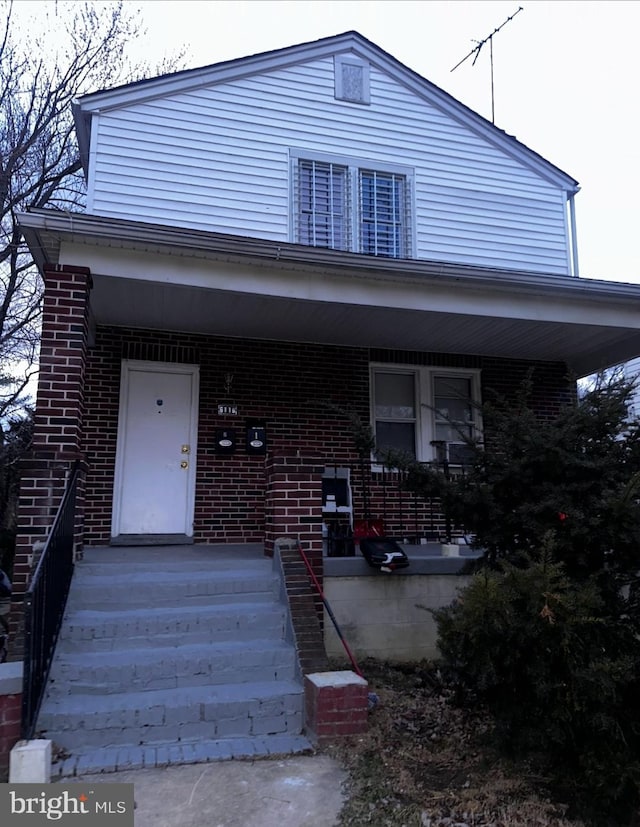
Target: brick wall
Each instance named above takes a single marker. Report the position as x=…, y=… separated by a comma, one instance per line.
x=10, y=712
x=306, y=616
x=57, y=440
x=336, y=706
x=551, y=386
x=280, y=383
x=284, y=384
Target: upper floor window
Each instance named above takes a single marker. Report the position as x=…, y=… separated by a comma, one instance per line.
x=426, y=413
x=346, y=206
x=323, y=205
x=382, y=213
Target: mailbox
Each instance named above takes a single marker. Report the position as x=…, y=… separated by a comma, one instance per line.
x=256, y=437
x=225, y=440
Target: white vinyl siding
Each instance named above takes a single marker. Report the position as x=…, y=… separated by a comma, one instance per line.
x=216, y=158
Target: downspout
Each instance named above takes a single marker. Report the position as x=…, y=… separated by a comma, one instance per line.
x=574, y=240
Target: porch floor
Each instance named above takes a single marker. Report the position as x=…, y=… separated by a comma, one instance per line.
x=224, y=553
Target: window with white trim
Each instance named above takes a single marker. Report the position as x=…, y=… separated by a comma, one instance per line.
x=382, y=213
x=425, y=412
x=343, y=205
x=323, y=204
x=395, y=411
x=454, y=417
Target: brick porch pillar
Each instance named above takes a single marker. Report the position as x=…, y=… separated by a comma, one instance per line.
x=57, y=441
x=294, y=508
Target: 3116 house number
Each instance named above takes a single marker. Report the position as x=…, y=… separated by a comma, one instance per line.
x=229, y=410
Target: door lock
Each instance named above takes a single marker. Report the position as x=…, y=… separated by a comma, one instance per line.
x=185, y=449
x=184, y=464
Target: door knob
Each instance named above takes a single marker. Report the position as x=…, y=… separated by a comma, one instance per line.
x=184, y=464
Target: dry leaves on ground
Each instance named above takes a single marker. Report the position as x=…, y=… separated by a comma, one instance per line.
x=427, y=763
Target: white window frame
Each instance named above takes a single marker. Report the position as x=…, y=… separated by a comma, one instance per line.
x=325, y=222
x=424, y=385
x=355, y=167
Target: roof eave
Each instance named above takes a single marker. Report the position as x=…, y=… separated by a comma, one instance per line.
x=82, y=122
x=197, y=243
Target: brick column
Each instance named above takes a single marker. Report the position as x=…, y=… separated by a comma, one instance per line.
x=294, y=508
x=57, y=441
x=10, y=712
x=336, y=705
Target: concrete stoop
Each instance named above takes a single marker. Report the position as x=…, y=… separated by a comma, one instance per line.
x=172, y=658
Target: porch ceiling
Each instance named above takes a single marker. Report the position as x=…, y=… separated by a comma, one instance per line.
x=585, y=347
x=169, y=278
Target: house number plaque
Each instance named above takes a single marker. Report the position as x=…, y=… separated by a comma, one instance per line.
x=229, y=410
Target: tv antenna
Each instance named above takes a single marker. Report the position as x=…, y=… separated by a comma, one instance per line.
x=476, y=51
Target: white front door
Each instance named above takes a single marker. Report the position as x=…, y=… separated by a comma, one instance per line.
x=156, y=453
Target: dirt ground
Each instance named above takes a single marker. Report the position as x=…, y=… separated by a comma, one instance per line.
x=426, y=763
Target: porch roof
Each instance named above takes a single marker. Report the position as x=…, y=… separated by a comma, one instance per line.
x=168, y=278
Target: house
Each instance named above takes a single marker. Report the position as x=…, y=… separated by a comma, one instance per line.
x=631, y=373
x=267, y=242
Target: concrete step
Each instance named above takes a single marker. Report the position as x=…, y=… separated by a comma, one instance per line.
x=202, y=750
x=172, y=657
x=133, y=670
x=109, y=629
x=166, y=588
x=246, y=710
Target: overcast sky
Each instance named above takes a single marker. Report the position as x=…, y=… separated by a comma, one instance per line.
x=566, y=77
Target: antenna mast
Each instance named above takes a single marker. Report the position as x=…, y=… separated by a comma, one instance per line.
x=476, y=51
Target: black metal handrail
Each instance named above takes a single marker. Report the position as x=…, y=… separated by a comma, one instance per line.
x=44, y=605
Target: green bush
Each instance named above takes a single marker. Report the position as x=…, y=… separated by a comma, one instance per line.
x=574, y=474
x=556, y=661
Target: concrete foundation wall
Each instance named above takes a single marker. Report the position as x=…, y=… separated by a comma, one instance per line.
x=385, y=615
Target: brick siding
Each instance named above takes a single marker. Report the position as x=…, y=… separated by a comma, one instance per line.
x=57, y=438
x=284, y=384
x=10, y=712
x=336, y=706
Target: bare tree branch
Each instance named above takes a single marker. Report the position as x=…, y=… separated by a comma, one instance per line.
x=83, y=49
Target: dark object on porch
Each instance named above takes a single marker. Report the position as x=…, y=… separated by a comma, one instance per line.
x=383, y=553
x=378, y=550
x=5, y=585
x=339, y=539
x=337, y=512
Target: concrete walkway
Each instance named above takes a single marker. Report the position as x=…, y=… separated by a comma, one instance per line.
x=302, y=791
